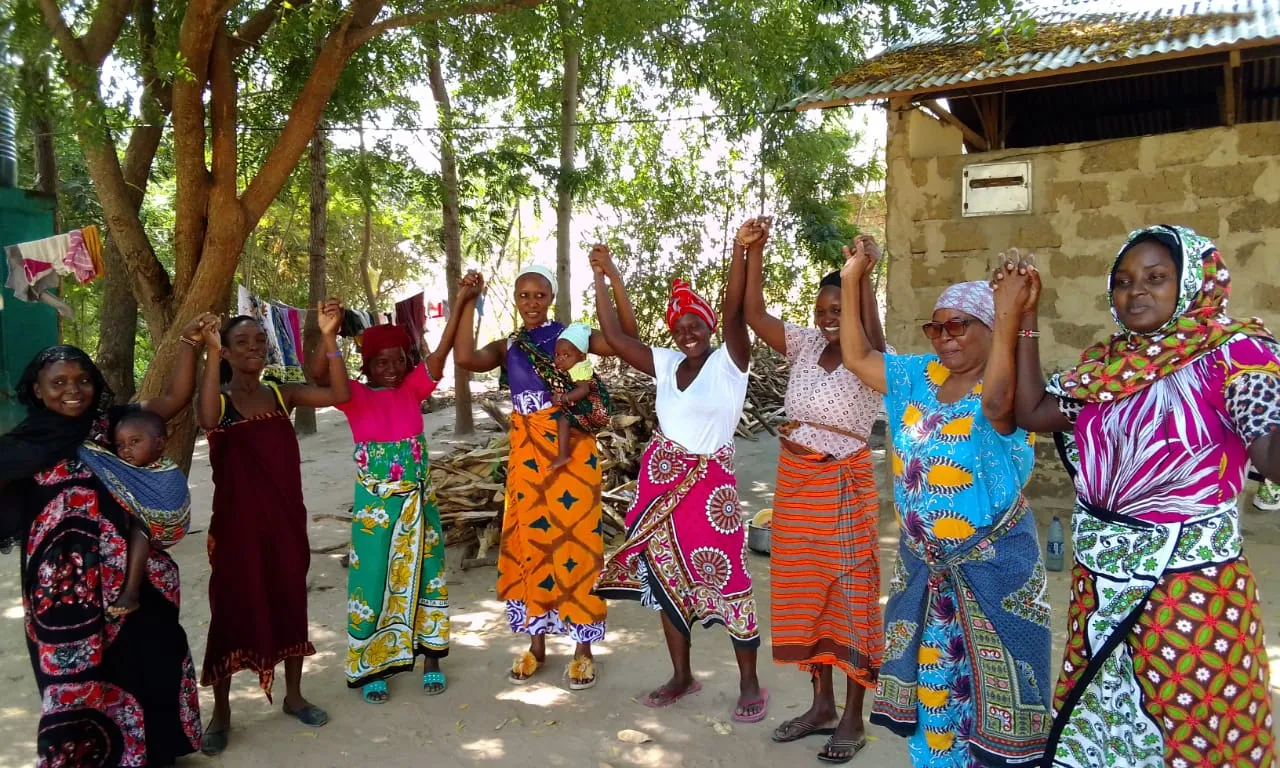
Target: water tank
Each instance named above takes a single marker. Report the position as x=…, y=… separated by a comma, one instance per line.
x=8, y=145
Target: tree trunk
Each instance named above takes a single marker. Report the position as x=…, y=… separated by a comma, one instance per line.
x=568, y=143
x=452, y=230
x=117, y=326
x=304, y=420
x=366, y=238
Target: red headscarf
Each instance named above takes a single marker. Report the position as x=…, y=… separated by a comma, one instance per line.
x=379, y=337
x=684, y=300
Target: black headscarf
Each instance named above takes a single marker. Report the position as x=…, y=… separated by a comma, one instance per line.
x=44, y=438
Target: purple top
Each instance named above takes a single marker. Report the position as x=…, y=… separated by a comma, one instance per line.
x=529, y=394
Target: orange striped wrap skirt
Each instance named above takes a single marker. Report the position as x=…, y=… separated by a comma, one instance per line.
x=825, y=564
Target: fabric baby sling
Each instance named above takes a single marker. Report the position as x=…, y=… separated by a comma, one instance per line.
x=592, y=413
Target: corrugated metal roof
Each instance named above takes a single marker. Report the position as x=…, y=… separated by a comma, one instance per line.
x=1068, y=35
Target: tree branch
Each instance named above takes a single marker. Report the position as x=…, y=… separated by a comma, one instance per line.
x=191, y=199
x=68, y=43
x=257, y=26
x=223, y=113
x=105, y=30
x=475, y=8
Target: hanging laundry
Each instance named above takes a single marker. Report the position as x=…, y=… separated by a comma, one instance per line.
x=435, y=310
x=37, y=267
x=247, y=304
x=289, y=332
x=354, y=323
x=411, y=314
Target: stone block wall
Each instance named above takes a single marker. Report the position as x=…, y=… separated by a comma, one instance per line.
x=1223, y=182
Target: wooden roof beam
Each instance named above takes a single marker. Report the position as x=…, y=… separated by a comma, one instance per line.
x=970, y=135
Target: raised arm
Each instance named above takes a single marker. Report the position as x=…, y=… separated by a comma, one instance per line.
x=633, y=352
x=317, y=363
x=337, y=391
x=1034, y=409
x=866, y=362
x=769, y=328
x=1000, y=380
x=870, y=308
x=736, y=338
x=602, y=258
x=465, y=354
x=182, y=380
x=209, y=401
x=468, y=293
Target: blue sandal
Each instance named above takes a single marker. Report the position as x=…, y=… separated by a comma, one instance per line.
x=375, y=692
x=434, y=683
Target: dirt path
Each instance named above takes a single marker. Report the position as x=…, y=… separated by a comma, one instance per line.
x=481, y=719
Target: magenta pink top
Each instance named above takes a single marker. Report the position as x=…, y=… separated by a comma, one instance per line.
x=388, y=415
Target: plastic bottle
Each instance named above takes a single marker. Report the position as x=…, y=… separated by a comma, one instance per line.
x=1055, y=546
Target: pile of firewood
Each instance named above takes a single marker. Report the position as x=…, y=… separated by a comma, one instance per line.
x=469, y=482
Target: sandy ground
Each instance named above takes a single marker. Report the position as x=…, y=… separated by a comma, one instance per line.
x=482, y=720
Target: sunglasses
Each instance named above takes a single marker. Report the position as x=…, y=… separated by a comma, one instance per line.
x=955, y=328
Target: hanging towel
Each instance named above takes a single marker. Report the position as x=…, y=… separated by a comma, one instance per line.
x=38, y=289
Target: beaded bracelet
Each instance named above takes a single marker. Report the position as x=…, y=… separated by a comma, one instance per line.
x=333, y=354
x=1028, y=334
x=188, y=342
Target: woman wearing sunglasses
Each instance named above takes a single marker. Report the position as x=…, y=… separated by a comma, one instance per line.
x=965, y=674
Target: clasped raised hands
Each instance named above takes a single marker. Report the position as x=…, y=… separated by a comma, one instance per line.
x=1016, y=283
x=470, y=287
x=754, y=232
x=861, y=259
x=601, y=259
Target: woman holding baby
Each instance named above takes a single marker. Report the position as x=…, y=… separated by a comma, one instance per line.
x=116, y=688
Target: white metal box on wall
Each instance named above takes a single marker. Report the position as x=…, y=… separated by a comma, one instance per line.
x=996, y=189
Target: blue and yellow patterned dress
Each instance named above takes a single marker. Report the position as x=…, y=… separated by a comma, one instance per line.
x=966, y=624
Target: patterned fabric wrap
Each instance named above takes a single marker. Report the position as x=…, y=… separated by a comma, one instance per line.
x=973, y=298
x=967, y=644
x=1129, y=362
x=981, y=612
x=1165, y=663
x=552, y=531
x=114, y=691
x=397, y=595
x=685, y=300
x=825, y=563
x=157, y=496
x=686, y=546
x=590, y=414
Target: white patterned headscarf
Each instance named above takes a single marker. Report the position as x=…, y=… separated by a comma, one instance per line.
x=974, y=298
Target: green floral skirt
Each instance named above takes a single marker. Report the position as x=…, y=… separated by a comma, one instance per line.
x=397, y=599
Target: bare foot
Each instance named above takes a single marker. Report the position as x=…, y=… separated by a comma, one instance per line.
x=124, y=605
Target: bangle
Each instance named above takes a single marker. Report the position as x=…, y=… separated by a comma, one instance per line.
x=333, y=354
x=1028, y=333
x=188, y=342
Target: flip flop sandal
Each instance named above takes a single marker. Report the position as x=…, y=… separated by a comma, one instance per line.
x=524, y=668
x=581, y=674
x=796, y=729
x=653, y=701
x=762, y=703
x=840, y=745
x=214, y=742
x=310, y=715
x=434, y=683
x=375, y=692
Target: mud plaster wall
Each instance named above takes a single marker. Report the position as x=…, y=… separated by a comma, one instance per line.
x=1223, y=182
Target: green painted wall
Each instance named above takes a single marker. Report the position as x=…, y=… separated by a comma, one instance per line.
x=25, y=328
